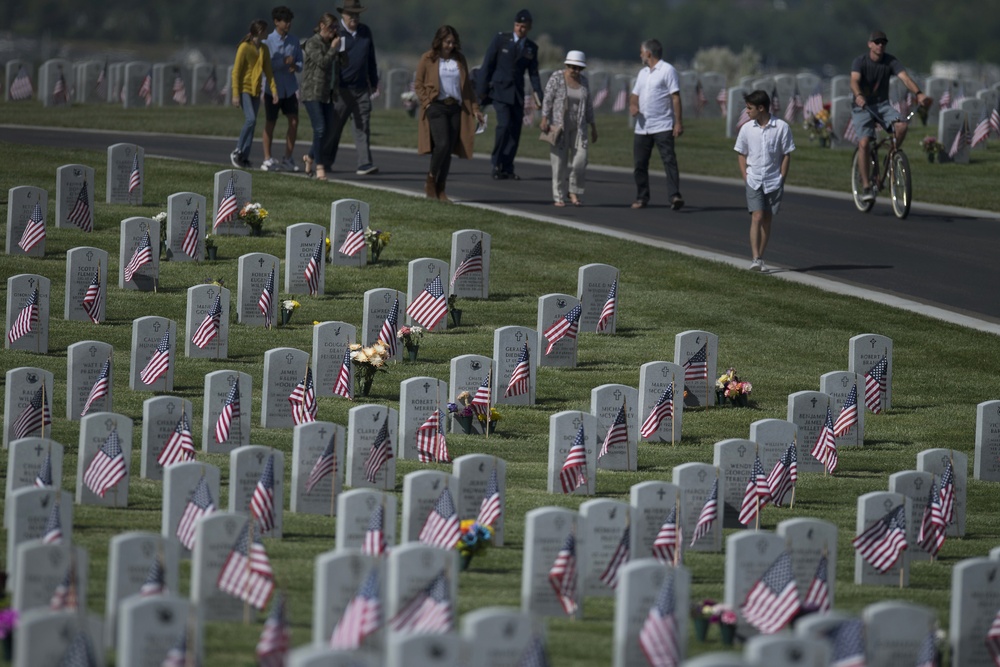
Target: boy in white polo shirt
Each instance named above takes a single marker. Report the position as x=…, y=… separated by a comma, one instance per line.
x=764, y=145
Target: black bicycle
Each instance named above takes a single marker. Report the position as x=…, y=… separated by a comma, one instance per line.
x=895, y=169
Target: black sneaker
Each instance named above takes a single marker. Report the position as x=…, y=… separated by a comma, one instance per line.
x=867, y=195
x=236, y=159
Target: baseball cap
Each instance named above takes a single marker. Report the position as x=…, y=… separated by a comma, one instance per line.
x=877, y=35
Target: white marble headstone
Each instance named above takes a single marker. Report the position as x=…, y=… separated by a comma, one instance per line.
x=329, y=342
x=419, y=397
x=84, y=364
x=508, y=347
x=95, y=429
x=21, y=385
x=132, y=231
x=253, y=272
x=243, y=189
x=987, y=456
x=695, y=481
x=472, y=284
x=160, y=416
x=593, y=283
x=301, y=240
x=83, y=264
x=200, y=302
x=181, y=209
x=551, y=311
x=21, y=202
x=563, y=430
x=342, y=213
x=147, y=332
x=20, y=289
x=687, y=345
x=246, y=465
x=354, y=512
x=284, y=367
x=309, y=442
x=71, y=179
x=218, y=385
x=120, y=161
x=545, y=533
x=363, y=425
x=605, y=403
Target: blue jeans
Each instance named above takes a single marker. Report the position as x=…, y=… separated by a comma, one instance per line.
x=250, y=105
x=318, y=111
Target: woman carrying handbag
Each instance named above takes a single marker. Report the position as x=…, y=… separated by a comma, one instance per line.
x=567, y=112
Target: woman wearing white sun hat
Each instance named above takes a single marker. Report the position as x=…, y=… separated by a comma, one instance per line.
x=568, y=111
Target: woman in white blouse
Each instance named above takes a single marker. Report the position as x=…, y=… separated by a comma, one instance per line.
x=448, y=108
x=568, y=110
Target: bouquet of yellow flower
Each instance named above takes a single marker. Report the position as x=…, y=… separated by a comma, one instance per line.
x=288, y=306
x=474, y=540
x=377, y=241
x=730, y=387
x=819, y=127
x=254, y=215
x=367, y=362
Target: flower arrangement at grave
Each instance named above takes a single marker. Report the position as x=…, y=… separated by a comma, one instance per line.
x=368, y=362
x=410, y=102
x=494, y=418
x=209, y=241
x=707, y=612
x=475, y=540
x=932, y=147
x=456, y=313
x=730, y=387
x=462, y=411
x=160, y=217
x=288, y=306
x=377, y=240
x=253, y=215
x=8, y=623
x=819, y=126
x=328, y=258
x=410, y=336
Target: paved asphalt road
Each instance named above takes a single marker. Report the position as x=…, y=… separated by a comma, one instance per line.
x=939, y=256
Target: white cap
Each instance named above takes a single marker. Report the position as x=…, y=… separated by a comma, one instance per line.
x=577, y=58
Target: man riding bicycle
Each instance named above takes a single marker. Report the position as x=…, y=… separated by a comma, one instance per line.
x=870, y=73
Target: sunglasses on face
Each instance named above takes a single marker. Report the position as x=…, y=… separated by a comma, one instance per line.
x=881, y=42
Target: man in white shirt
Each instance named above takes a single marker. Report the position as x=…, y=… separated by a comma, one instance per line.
x=764, y=146
x=655, y=103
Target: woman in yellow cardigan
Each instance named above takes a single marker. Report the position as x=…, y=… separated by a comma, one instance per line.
x=448, y=108
x=252, y=60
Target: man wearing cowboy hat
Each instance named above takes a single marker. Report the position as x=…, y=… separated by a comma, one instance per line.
x=354, y=82
x=501, y=79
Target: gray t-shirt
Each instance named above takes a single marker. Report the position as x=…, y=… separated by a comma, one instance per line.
x=875, y=76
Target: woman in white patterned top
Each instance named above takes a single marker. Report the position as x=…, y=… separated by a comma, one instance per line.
x=568, y=110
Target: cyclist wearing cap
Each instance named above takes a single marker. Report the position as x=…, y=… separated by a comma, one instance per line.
x=870, y=74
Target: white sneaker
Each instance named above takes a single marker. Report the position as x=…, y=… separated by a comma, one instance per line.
x=757, y=265
x=288, y=164
x=366, y=170
x=763, y=267
x=270, y=164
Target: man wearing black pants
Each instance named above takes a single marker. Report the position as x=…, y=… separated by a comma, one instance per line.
x=501, y=79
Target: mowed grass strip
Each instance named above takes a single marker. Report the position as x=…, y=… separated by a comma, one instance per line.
x=778, y=335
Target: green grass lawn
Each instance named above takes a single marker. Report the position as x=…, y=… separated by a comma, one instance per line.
x=779, y=335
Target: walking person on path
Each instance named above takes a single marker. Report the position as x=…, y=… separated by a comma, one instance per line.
x=286, y=61
x=253, y=60
x=569, y=110
x=319, y=53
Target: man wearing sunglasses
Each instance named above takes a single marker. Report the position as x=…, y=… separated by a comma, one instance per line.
x=870, y=74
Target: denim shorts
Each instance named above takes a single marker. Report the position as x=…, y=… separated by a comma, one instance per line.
x=864, y=124
x=758, y=200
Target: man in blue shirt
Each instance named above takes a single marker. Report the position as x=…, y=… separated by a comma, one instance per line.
x=353, y=83
x=286, y=60
x=501, y=80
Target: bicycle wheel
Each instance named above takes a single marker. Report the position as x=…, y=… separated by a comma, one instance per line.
x=900, y=186
x=856, y=189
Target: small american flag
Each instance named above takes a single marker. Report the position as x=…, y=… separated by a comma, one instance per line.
x=618, y=558
x=34, y=230
x=696, y=368
x=993, y=639
x=200, y=504
x=101, y=87
x=709, y=512
x=473, y=263
x=667, y=541
x=775, y=102
x=931, y=536
x=177, y=655
x=743, y=119
x=945, y=101
x=995, y=119
x=430, y=305
x=230, y=411
x=303, y=400
x=610, y=308
x=774, y=599
x=664, y=409
x=211, y=82
x=566, y=326
x=159, y=363
x=883, y=542
x=190, y=243
x=783, y=476
x=722, y=99
x=441, y=528
x=848, y=416
x=44, y=477
x=825, y=449
x=93, y=299
x=429, y=612
x=756, y=495
x=134, y=177
x=520, y=378
x=143, y=255
x=927, y=655
x=52, y=533
x=266, y=301
x=814, y=103
x=793, y=106
x=26, y=318
x=180, y=445
x=81, y=215
x=562, y=575
x=374, y=544
x=36, y=415
x=314, y=268
x=490, y=509
x=146, y=88
x=658, y=636
x=600, y=97
x=179, y=90
x=343, y=387
x=325, y=465
x=482, y=401
x=848, y=640
x=209, y=327
x=617, y=434
x=621, y=101
x=850, y=133
x=227, y=205
x=247, y=572
x=982, y=131
x=875, y=382
x=381, y=452
x=275, y=638
x=155, y=583
x=20, y=87
x=107, y=468
x=534, y=654
x=573, y=474
x=362, y=616
x=431, y=445
x=262, y=500
x=947, y=492
x=388, y=332
x=65, y=595
x=818, y=596
x=961, y=140
x=355, y=239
